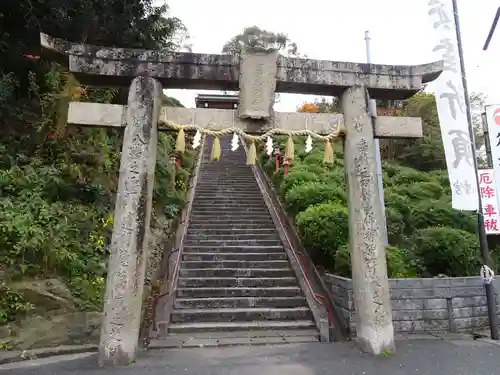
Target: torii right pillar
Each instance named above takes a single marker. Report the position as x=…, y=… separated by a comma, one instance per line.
x=374, y=328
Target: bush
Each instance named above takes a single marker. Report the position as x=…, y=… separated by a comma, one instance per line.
x=407, y=176
x=397, y=202
x=323, y=229
x=398, y=262
x=296, y=177
x=300, y=197
x=420, y=191
x=448, y=251
x=396, y=225
x=441, y=176
x=12, y=304
x=314, y=158
x=314, y=168
x=438, y=213
x=317, y=195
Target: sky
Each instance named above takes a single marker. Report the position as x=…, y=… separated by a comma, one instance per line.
x=335, y=29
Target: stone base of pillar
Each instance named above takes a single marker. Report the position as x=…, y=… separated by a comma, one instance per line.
x=375, y=341
x=119, y=339
x=375, y=332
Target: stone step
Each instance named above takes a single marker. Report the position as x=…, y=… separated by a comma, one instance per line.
x=221, y=339
x=238, y=338
x=226, y=200
x=235, y=257
x=259, y=213
x=235, y=272
x=232, y=216
x=231, y=302
x=270, y=325
x=236, y=196
x=215, y=187
x=242, y=189
x=232, y=190
x=229, y=231
x=241, y=224
x=229, y=172
x=272, y=264
x=242, y=249
x=200, y=236
x=230, y=210
x=249, y=314
x=225, y=180
x=229, y=166
x=234, y=220
x=232, y=242
x=235, y=292
x=243, y=206
x=288, y=330
x=260, y=282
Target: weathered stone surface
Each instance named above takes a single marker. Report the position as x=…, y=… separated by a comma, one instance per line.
x=106, y=115
x=52, y=330
x=131, y=230
x=424, y=304
x=116, y=66
x=369, y=269
x=161, y=230
x=257, y=84
x=47, y=295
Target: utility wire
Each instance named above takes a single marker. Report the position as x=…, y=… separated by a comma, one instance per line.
x=492, y=30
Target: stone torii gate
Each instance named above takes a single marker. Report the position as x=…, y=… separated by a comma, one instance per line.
x=257, y=76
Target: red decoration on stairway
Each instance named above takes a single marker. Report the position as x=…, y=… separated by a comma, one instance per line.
x=286, y=164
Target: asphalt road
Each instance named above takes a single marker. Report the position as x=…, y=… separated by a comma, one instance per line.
x=415, y=357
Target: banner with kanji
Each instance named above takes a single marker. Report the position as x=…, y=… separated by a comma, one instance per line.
x=451, y=108
x=487, y=186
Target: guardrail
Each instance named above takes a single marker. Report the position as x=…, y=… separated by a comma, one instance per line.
x=180, y=233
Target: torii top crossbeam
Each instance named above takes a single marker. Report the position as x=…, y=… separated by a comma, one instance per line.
x=108, y=66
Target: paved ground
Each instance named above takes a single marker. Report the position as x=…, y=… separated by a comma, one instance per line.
x=414, y=357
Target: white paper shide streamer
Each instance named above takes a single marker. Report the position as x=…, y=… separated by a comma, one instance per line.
x=309, y=144
x=450, y=101
x=269, y=146
x=234, y=142
x=197, y=140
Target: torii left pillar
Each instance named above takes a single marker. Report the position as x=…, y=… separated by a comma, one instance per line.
x=131, y=229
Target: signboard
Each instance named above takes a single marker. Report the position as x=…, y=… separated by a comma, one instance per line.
x=451, y=107
x=493, y=122
x=487, y=186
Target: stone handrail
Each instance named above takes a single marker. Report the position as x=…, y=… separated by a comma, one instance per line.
x=172, y=260
x=336, y=329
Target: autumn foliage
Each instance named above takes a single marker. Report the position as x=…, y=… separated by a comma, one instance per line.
x=309, y=108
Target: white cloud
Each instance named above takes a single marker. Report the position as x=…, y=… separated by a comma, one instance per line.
x=334, y=30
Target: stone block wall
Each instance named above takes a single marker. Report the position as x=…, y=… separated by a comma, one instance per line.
x=449, y=304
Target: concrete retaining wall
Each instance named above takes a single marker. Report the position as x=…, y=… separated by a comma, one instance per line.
x=424, y=305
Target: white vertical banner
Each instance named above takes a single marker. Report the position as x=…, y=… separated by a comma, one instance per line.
x=489, y=196
x=451, y=107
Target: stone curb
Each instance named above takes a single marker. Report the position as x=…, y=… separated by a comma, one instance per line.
x=7, y=356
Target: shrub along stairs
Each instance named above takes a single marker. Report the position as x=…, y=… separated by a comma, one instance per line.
x=235, y=284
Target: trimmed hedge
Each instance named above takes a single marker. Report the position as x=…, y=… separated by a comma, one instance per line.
x=427, y=237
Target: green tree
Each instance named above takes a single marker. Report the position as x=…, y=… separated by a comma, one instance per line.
x=58, y=183
x=254, y=37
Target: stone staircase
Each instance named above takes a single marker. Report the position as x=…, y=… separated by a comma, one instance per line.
x=235, y=283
